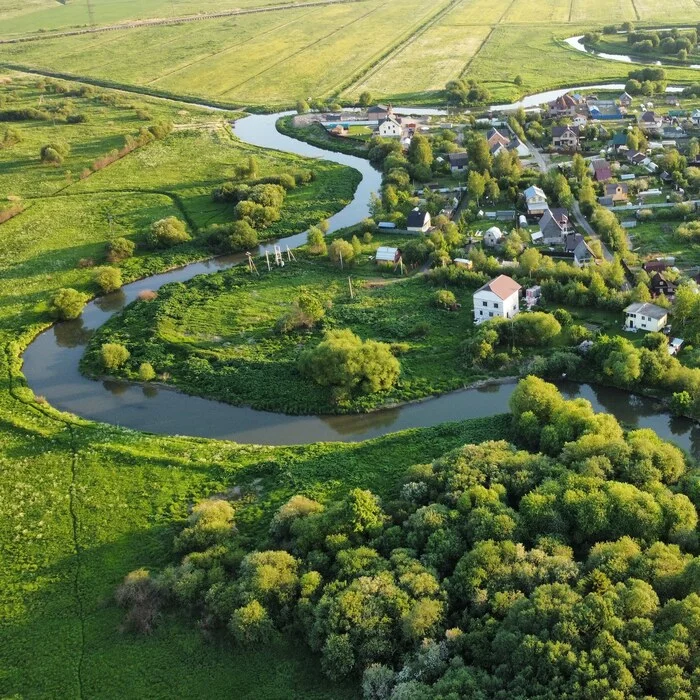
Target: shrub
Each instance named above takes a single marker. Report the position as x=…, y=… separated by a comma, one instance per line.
x=167, y=232
x=140, y=594
x=242, y=237
x=251, y=625
x=67, y=304
x=148, y=295
x=146, y=372
x=306, y=313
x=444, y=299
x=341, y=250
x=343, y=361
x=76, y=119
x=54, y=153
x=161, y=129
x=114, y=355
x=120, y=249
x=563, y=316
x=316, y=241
x=109, y=279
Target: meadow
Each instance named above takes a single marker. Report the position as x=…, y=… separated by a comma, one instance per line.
x=397, y=51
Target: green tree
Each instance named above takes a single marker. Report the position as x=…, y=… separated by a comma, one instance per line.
x=476, y=185
x=67, y=304
x=108, y=279
x=167, y=232
x=341, y=252
x=420, y=152
x=120, y=249
x=146, y=372
x=365, y=99
x=316, y=241
x=243, y=237
x=579, y=167
x=114, y=355
x=250, y=625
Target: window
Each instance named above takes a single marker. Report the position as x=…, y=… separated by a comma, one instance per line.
x=495, y=305
x=481, y=313
x=491, y=313
x=484, y=303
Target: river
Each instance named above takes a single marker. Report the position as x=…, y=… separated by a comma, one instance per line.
x=51, y=361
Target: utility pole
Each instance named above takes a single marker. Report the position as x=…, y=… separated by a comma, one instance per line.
x=267, y=259
x=251, y=264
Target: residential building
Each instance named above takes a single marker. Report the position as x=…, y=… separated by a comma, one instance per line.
x=566, y=138
x=642, y=316
x=583, y=254
x=499, y=298
x=519, y=147
x=616, y=193
x=390, y=128
x=695, y=117
x=650, y=121
x=651, y=266
x=571, y=242
x=494, y=136
x=458, y=161
x=618, y=141
x=552, y=230
x=626, y=99
x=493, y=237
x=601, y=170
x=418, y=221
x=580, y=120
x=387, y=254
x=564, y=106
x=660, y=285
x=378, y=113
x=536, y=201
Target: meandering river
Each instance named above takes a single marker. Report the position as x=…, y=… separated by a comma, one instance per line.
x=51, y=361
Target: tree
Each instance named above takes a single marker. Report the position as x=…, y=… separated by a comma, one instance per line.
x=479, y=154
x=120, y=249
x=114, y=355
x=146, y=372
x=444, y=299
x=167, y=232
x=302, y=106
x=108, y=279
x=579, y=167
x=530, y=260
x=67, y=304
x=316, y=241
x=344, y=362
x=341, y=252
x=365, y=99
x=243, y=237
x=476, y=185
x=250, y=625
x=420, y=153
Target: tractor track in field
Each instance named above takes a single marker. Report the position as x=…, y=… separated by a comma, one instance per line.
x=157, y=22
x=636, y=11
x=397, y=48
x=486, y=39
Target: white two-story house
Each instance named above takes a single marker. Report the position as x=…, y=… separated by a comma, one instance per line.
x=642, y=316
x=498, y=298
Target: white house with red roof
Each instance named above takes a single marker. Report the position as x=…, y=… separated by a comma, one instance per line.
x=499, y=298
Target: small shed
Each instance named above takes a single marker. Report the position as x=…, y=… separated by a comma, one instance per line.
x=387, y=254
x=674, y=345
x=463, y=263
x=493, y=236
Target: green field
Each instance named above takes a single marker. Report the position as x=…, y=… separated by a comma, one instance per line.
x=395, y=50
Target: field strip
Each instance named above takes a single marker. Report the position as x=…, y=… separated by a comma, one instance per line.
x=571, y=9
x=302, y=49
x=226, y=49
x=368, y=71
x=478, y=51
x=174, y=20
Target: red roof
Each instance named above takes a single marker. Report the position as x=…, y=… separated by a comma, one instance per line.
x=503, y=286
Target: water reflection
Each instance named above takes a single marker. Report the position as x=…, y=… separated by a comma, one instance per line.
x=115, y=301
x=361, y=423
x=149, y=391
x=116, y=387
x=71, y=334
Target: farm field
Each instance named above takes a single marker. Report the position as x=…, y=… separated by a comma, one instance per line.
x=395, y=50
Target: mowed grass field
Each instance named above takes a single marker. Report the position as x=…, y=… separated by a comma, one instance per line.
x=396, y=49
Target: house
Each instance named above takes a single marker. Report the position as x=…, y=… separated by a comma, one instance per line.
x=649, y=121
x=387, y=254
x=339, y=130
x=616, y=192
x=563, y=106
x=418, y=220
x=536, y=201
x=635, y=157
x=601, y=170
x=494, y=136
x=493, y=237
x=618, y=141
x=673, y=132
x=458, y=161
x=378, y=113
x=642, y=316
x=625, y=100
x=605, y=109
x=660, y=285
x=695, y=117
x=389, y=128
x=651, y=266
x=674, y=346
x=499, y=298
x=566, y=138
x=583, y=254
x=580, y=120
x=551, y=228
x=496, y=149
x=571, y=242
x=519, y=147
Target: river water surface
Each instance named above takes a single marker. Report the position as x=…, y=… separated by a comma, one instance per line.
x=51, y=361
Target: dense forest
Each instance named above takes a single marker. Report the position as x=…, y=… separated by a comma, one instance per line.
x=562, y=566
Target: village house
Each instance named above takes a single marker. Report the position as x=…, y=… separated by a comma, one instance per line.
x=564, y=106
x=493, y=237
x=660, y=285
x=458, y=161
x=566, y=138
x=618, y=142
x=339, y=130
x=580, y=120
x=519, y=147
x=615, y=193
x=695, y=117
x=583, y=254
x=389, y=128
x=601, y=170
x=494, y=137
x=650, y=122
x=378, y=113
x=651, y=266
x=625, y=100
x=387, y=254
x=418, y=221
x=642, y=316
x=553, y=228
x=536, y=201
x=571, y=242
x=499, y=298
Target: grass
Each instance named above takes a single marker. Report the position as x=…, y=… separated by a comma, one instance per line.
x=617, y=44
x=215, y=336
x=659, y=238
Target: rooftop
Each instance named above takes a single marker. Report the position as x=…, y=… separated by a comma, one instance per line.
x=646, y=309
x=503, y=287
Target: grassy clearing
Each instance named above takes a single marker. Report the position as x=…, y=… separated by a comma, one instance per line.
x=216, y=336
x=659, y=238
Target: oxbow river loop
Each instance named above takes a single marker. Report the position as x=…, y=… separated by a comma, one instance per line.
x=51, y=361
